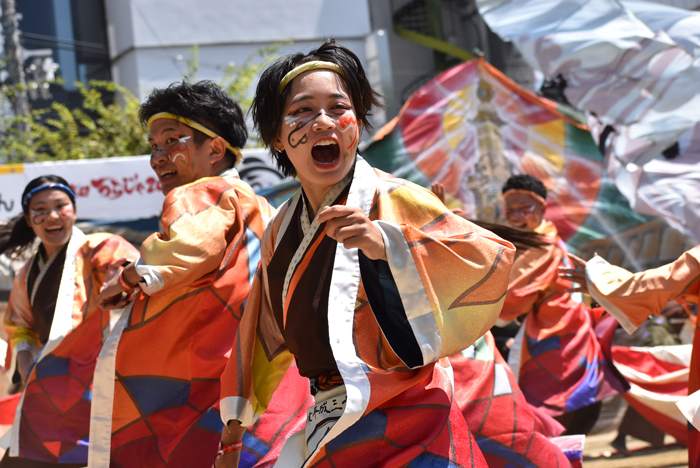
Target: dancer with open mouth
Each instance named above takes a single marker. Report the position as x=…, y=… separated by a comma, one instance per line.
x=54, y=326
x=366, y=281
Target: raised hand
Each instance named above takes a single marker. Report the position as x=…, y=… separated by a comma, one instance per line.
x=575, y=275
x=352, y=228
x=439, y=191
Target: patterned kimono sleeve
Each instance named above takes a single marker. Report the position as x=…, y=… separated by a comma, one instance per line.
x=631, y=298
x=534, y=272
x=451, y=275
x=107, y=257
x=195, y=221
x=19, y=321
x=259, y=357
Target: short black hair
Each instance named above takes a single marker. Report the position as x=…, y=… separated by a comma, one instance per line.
x=525, y=182
x=204, y=102
x=268, y=104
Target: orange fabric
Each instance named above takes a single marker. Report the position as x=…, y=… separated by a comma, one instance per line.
x=57, y=397
x=462, y=271
x=645, y=293
x=562, y=366
x=177, y=341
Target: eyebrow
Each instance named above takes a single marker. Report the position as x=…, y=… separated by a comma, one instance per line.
x=150, y=138
x=308, y=96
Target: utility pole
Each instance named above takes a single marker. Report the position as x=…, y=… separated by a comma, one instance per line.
x=14, y=60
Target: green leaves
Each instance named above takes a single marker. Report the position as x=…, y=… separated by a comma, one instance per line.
x=107, y=124
x=96, y=130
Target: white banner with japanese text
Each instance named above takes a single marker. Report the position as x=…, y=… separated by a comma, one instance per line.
x=114, y=188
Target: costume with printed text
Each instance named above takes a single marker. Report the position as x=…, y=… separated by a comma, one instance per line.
x=383, y=387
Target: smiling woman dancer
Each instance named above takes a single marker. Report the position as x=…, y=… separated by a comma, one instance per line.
x=53, y=314
x=366, y=280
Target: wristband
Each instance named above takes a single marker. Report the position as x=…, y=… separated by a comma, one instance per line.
x=229, y=448
x=126, y=286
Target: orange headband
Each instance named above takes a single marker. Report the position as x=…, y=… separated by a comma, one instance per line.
x=525, y=192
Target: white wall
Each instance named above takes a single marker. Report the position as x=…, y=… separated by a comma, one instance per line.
x=148, y=36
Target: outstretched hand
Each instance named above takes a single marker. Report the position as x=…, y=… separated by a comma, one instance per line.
x=439, y=191
x=351, y=227
x=112, y=296
x=575, y=275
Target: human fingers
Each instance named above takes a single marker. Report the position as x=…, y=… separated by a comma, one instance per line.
x=574, y=278
x=577, y=261
x=439, y=190
x=110, y=295
x=336, y=211
x=114, y=302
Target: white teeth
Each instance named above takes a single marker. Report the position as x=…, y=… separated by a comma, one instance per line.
x=325, y=143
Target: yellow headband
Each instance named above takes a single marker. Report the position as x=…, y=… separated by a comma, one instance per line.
x=315, y=65
x=196, y=126
x=525, y=192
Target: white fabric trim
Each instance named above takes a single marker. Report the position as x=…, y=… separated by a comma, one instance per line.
x=658, y=402
x=62, y=321
x=103, y=395
x=690, y=408
x=230, y=172
x=415, y=300
x=151, y=277
x=595, y=268
x=26, y=346
x=515, y=355
x=345, y=282
x=287, y=217
x=239, y=409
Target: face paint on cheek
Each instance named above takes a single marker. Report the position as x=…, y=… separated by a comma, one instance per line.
x=346, y=120
x=66, y=211
x=290, y=120
x=294, y=139
x=180, y=151
x=37, y=216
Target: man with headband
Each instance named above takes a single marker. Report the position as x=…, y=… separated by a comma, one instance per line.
x=157, y=391
x=556, y=356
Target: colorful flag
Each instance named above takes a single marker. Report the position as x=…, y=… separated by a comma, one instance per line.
x=658, y=377
x=471, y=128
x=632, y=67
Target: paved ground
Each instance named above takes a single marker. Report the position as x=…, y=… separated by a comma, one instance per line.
x=598, y=453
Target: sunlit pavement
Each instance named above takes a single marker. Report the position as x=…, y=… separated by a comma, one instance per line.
x=598, y=453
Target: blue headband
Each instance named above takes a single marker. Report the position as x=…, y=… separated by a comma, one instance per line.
x=64, y=188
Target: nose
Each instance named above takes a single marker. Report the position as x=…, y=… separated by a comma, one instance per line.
x=323, y=122
x=157, y=156
x=53, y=213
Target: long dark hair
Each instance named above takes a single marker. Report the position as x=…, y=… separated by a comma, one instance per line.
x=520, y=238
x=16, y=236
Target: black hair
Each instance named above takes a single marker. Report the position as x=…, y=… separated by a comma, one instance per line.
x=204, y=102
x=16, y=236
x=525, y=182
x=268, y=104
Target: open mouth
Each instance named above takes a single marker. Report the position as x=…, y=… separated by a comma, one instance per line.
x=326, y=152
x=54, y=231
x=166, y=175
